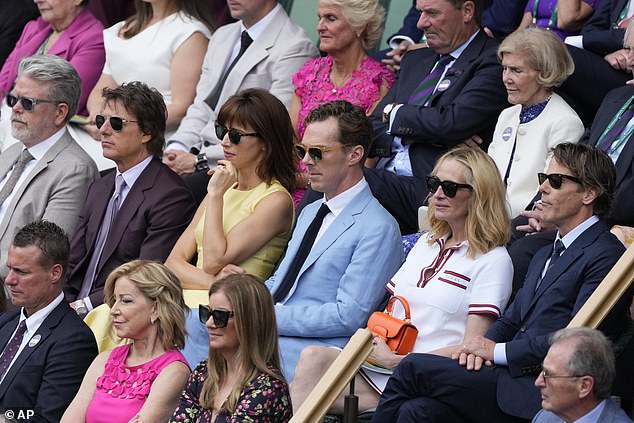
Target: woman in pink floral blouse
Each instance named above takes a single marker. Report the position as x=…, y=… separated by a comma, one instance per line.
x=139, y=381
x=241, y=380
x=347, y=29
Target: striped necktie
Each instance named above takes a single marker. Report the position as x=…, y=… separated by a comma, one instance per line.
x=427, y=86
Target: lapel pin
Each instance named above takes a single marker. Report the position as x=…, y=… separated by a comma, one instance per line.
x=33, y=341
x=506, y=134
x=444, y=85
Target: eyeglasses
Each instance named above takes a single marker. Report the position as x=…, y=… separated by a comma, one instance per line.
x=28, y=103
x=546, y=376
x=220, y=316
x=556, y=179
x=234, y=135
x=316, y=152
x=116, y=122
x=450, y=188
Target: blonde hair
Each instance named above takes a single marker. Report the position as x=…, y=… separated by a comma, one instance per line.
x=367, y=15
x=545, y=52
x=488, y=223
x=256, y=329
x=160, y=286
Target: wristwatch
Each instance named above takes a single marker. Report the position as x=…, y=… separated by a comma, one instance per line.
x=202, y=164
x=386, y=112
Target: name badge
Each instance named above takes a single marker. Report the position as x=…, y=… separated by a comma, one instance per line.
x=33, y=341
x=444, y=85
x=506, y=134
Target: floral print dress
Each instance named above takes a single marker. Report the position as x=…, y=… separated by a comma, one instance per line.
x=263, y=400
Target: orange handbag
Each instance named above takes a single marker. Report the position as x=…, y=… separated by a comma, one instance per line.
x=400, y=335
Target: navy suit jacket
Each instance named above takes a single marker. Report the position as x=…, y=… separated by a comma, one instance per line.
x=155, y=212
x=533, y=316
x=469, y=106
x=598, y=35
x=46, y=376
x=623, y=209
x=611, y=413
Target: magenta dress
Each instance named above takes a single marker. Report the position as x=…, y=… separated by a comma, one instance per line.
x=313, y=87
x=122, y=390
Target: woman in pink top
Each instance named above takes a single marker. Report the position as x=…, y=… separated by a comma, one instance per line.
x=347, y=31
x=147, y=307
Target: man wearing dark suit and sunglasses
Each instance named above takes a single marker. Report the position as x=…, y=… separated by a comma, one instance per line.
x=46, y=174
x=497, y=381
x=137, y=210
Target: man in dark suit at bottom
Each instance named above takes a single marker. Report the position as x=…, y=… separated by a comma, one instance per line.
x=576, y=192
x=46, y=348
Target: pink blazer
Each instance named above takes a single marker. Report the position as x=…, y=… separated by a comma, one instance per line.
x=81, y=44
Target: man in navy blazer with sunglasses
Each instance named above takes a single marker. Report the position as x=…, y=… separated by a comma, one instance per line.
x=137, y=210
x=491, y=378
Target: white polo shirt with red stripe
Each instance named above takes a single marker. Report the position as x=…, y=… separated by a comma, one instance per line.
x=444, y=286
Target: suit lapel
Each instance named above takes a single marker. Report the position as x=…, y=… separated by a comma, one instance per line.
x=104, y=188
x=41, y=165
x=44, y=331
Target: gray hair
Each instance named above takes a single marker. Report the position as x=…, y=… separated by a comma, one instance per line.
x=367, y=15
x=592, y=356
x=62, y=77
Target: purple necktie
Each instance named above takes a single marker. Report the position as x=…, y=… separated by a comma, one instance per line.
x=617, y=130
x=426, y=88
x=12, y=348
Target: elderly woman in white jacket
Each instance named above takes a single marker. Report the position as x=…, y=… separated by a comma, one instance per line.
x=534, y=61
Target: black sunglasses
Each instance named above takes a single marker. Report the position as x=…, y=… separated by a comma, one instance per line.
x=316, y=152
x=28, y=103
x=116, y=122
x=450, y=188
x=234, y=134
x=220, y=316
x=556, y=179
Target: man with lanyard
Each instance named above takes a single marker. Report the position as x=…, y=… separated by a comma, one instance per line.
x=576, y=193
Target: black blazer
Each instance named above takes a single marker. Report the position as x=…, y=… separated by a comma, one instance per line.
x=598, y=35
x=469, y=106
x=46, y=376
x=623, y=209
x=535, y=314
x=155, y=212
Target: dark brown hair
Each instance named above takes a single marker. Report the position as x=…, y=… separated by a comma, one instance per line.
x=197, y=9
x=268, y=117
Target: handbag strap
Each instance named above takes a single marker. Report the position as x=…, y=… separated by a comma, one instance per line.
x=403, y=302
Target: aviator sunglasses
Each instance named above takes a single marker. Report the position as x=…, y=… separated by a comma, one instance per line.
x=116, y=122
x=556, y=179
x=234, y=135
x=220, y=316
x=28, y=103
x=316, y=152
x=450, y=188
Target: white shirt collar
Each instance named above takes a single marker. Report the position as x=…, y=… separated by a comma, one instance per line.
x=39, y=150
x=258, y=28
x=131, y=175
x=571, y=236
x=34, y=321
x=593, y=415
x=339, y=202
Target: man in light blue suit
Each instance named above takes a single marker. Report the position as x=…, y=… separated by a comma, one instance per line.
x=577, y=376
x=345, y=246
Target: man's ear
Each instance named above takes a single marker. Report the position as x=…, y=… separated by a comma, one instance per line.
x=590, y=195
x=468, y=11
x=56, y=272
x=355, y=154
x=586, y=386
x=61, y=112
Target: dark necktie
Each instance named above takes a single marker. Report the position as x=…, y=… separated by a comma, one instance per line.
x=106, y=223
x=302, y=253
x=558, y=249
x=12, y=348
x=212, y=99
x=426, y=88
x=617, y=130
x=18, y=169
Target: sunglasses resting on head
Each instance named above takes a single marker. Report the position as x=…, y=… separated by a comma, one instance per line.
x=220, y=316
x=449, y=188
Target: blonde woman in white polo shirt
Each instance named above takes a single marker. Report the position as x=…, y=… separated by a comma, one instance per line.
x=457, y=278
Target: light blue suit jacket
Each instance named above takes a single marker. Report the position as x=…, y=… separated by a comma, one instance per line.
x=342, y=280
x=612, y=413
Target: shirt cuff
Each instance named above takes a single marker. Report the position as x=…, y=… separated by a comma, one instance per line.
x=392, y=116
x=176, y=145
x=575, y=41
x=499, y=354
x=396, y=40
x=88, y=303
